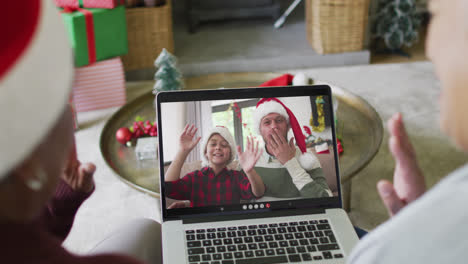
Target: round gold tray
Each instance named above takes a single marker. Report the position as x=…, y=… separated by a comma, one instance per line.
x=359, y=124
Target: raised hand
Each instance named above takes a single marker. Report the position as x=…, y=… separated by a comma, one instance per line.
x=279, y=147
x=250, y=156
x=186, y=141
x=77, y=175
x=408, y=179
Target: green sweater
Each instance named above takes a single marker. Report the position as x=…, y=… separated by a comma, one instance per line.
x=279, y=182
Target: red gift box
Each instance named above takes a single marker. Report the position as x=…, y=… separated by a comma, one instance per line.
x=100, y=85
x=88, y=3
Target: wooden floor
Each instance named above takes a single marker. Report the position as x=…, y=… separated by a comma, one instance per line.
x=417, y=53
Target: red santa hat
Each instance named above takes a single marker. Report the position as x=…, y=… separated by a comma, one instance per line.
x=273, y=105
x=36, y=73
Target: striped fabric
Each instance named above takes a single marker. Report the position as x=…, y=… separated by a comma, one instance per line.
x=88, y=3
x=100, y=85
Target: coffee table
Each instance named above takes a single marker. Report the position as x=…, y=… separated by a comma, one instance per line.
x=361, y=129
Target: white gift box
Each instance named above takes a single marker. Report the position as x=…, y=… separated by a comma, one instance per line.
x=146, y=148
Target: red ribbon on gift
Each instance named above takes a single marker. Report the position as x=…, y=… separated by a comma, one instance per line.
x=89, y=31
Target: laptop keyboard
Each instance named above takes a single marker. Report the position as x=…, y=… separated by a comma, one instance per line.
x=264, y=243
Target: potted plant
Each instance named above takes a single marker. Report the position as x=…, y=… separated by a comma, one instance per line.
x=396, y=23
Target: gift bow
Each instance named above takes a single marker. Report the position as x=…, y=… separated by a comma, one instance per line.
x=89, y=31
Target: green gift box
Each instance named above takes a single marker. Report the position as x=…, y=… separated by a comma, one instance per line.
x=96, y=34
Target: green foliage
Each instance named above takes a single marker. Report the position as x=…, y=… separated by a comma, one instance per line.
x=397, y=23
x=168, y=77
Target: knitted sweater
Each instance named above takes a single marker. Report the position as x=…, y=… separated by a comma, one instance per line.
x=291, y=180
x=39, y=242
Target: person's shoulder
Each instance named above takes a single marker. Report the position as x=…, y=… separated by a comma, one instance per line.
x=427, y=226
x=458, y=177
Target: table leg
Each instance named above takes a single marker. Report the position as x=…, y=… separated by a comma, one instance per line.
x=346, y=192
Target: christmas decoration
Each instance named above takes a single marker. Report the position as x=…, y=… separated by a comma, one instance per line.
x=310, y=138
x=318, y=122
x=322, y=148
x=100, y=85
x=234, y=106
x=301, y=79
x=96, y=34
x=283, y=80
x=339, y=146
x=123, y=135
x=146, y=148
x=397, y=23
x=168, y=77
x=140, y=128
x=237, y=111
x=318, y=143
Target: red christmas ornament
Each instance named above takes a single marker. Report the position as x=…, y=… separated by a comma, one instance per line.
x=123, y=135
x=340, y=147
x=140, y=128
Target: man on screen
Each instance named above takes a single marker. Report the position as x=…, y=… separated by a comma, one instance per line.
x=287, y=171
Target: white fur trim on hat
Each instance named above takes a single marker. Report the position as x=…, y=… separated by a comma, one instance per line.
x=308, y=161
x=224, y=132
x=300, y=79
x=267, y=108
x=35, y=91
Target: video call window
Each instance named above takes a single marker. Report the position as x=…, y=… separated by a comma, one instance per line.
x=237, y=116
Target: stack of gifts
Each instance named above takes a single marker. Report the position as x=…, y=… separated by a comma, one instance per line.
x=97, y=31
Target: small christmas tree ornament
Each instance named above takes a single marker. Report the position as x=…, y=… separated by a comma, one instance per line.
x=168, y=77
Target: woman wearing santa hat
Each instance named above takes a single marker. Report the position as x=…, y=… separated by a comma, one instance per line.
x=287, y=171
x=42, y=184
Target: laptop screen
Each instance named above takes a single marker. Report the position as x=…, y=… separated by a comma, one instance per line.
x=235, y=151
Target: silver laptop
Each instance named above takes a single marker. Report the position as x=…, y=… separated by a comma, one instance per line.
x=284, y=225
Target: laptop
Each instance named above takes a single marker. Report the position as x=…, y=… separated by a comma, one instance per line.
x=274, y=228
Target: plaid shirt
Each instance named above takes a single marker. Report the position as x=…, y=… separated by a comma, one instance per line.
x=204, y=188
